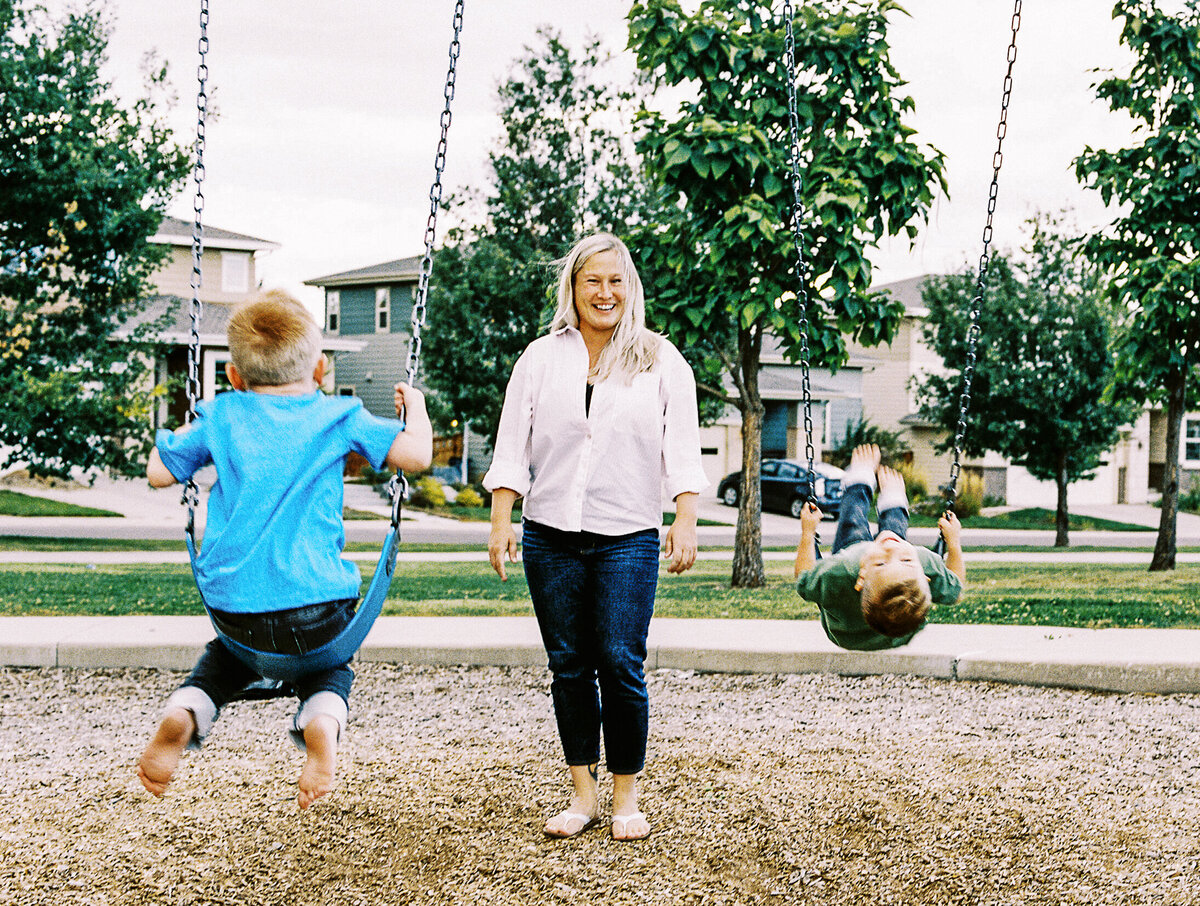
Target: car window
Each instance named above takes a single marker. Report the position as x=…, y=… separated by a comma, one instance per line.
x=790, y=472
x=769, y=467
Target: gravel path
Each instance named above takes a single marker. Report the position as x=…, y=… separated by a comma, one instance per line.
x=762, y=789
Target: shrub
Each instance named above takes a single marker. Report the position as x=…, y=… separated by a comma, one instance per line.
x=468, y=497
x=427, y=491
x=890, y=443
x=916, y=482
x=970, y=495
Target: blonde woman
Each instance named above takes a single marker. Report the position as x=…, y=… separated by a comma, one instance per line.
x=599, y=419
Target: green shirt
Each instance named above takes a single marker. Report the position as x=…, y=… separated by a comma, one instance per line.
x=830, y=584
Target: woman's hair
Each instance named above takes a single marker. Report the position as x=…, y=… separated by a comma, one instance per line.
x=632, y=348
x=273, y=340
x=896, y=609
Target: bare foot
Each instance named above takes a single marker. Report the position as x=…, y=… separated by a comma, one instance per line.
x=630, y=827
x=157, y=765
x=866, y=456
x=889, y=478
x=320, y=765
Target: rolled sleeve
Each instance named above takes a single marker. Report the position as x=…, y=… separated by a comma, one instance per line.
x=186, y=452
x=682, y=469
x=511, y=455
x=371, y=436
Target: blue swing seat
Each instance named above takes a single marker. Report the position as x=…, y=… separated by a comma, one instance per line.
x=342, y=647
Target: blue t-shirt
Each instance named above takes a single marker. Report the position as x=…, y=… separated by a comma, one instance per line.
x=274, y=534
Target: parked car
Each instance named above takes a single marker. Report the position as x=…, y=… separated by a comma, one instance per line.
x=785, y=487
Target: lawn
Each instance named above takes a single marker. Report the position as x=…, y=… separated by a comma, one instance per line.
x=14, y=503
x=1089, y=595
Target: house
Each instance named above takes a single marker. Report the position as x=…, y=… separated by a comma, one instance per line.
x=229, y=275
x=876, y=385
x=372, y=306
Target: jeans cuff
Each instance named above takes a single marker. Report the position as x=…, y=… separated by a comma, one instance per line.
x=860, y=475
x=326, y=703
x=892, y=499
x=203, y=711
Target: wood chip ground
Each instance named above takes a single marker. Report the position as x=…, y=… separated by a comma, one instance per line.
x=804, y=789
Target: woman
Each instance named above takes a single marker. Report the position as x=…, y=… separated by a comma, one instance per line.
x=599, y=418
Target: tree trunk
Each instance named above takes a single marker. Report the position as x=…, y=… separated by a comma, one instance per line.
x=1164, y=548
x=1062, y=518
x=747, y=549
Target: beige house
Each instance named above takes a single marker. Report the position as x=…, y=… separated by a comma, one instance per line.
x=876, y=385
x=229, y=266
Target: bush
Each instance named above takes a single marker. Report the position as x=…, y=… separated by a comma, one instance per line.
x=916, y=482
x=890, y=443
x=427, y=491
x=970, y=495
x=468, y=497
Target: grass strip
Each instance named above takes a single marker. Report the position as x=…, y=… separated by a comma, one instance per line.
x=1087, y=595
x=14, y=503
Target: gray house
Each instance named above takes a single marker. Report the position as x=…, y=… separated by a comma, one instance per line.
x=373, y=305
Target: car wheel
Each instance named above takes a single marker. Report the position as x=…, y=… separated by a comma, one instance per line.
x=730, y=496
x=796, y=507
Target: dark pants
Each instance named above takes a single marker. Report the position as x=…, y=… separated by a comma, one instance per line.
x=852, y=524
x=221, y=675
x=594, y=596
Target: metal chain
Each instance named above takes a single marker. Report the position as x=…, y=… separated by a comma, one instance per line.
x=802, y=267
x=951, y=488
x=191, y=495
x=435, y=201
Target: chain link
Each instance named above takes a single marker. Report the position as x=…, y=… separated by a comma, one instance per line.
x=802, y=267
x=435, y=202
x=191, y=494
x=964, y=405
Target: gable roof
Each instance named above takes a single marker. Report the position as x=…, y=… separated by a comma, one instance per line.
x=402, y=270
x=174, y=231
x=907, y=292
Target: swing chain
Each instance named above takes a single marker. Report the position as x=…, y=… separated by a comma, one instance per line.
x=802, y=267
x=191, y=494
x=951, y=487
x=435, y=201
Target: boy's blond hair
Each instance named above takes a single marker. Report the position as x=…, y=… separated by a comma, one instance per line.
x=273, y=340
x=897, y=608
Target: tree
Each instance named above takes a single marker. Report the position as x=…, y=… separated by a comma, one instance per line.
x=725, y=265
x=1151, y=252
x=83, y=185
x=562, y=168
x=1044, y=369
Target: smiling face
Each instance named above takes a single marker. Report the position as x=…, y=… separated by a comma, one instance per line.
x=890, y=560
x=599, y=287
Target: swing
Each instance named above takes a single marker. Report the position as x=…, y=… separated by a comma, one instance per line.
x=342, y=648
x=951, y=487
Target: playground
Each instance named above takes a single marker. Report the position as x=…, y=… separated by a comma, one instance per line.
x=802, y=789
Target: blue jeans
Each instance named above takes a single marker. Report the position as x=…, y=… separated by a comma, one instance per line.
x=594, y=596
x=852, y=524
x=221, y=675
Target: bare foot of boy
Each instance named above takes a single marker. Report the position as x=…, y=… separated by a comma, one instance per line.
x=889, y=478
x=866, y=455
x=320, y=766
x=157, y=765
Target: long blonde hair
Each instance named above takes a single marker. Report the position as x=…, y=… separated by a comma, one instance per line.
x=632, y=348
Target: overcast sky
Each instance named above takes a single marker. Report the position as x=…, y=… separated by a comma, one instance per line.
x=328, y=113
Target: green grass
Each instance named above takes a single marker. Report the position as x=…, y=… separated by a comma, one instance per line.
x=484, y=514
x=14, y=503
x=1036, y=518
x=1087, y=595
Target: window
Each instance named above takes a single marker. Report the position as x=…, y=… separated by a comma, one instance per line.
x=235, y=272
x=769, y=467
x=333, y=310
x=1191, y=439
x=383, y=309
x=789, y=472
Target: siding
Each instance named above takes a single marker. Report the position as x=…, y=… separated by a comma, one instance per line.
x=175, y=278
x=358, y=310
x=385, y=361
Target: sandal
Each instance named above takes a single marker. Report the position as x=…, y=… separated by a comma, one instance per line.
x=585, y=820
x=624, y=822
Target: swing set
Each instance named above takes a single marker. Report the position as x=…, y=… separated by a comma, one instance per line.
x=342, y=648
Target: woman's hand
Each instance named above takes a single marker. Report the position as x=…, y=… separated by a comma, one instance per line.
x=502, y=540
x=680, y=543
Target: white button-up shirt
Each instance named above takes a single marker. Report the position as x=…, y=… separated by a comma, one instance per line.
x=603, y=471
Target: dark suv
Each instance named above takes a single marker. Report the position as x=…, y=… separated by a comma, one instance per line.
x=785, y=487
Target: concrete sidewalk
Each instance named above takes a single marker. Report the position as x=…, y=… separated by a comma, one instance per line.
x=1160, y=661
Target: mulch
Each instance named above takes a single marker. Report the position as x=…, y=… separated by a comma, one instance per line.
x=803, y=789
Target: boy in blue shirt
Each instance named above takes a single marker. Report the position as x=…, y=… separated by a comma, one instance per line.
x=270, y=568
x=876, y=592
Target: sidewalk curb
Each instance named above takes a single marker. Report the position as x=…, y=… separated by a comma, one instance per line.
x=1156, y=661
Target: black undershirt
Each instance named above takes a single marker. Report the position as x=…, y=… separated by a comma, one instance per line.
x=587, y=401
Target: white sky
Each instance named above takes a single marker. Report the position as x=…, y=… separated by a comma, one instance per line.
x=328, y=113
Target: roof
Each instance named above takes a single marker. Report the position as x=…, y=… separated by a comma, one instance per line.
x=173, y=231
x=907, y=292
x=214, y=322
x=400, y=270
